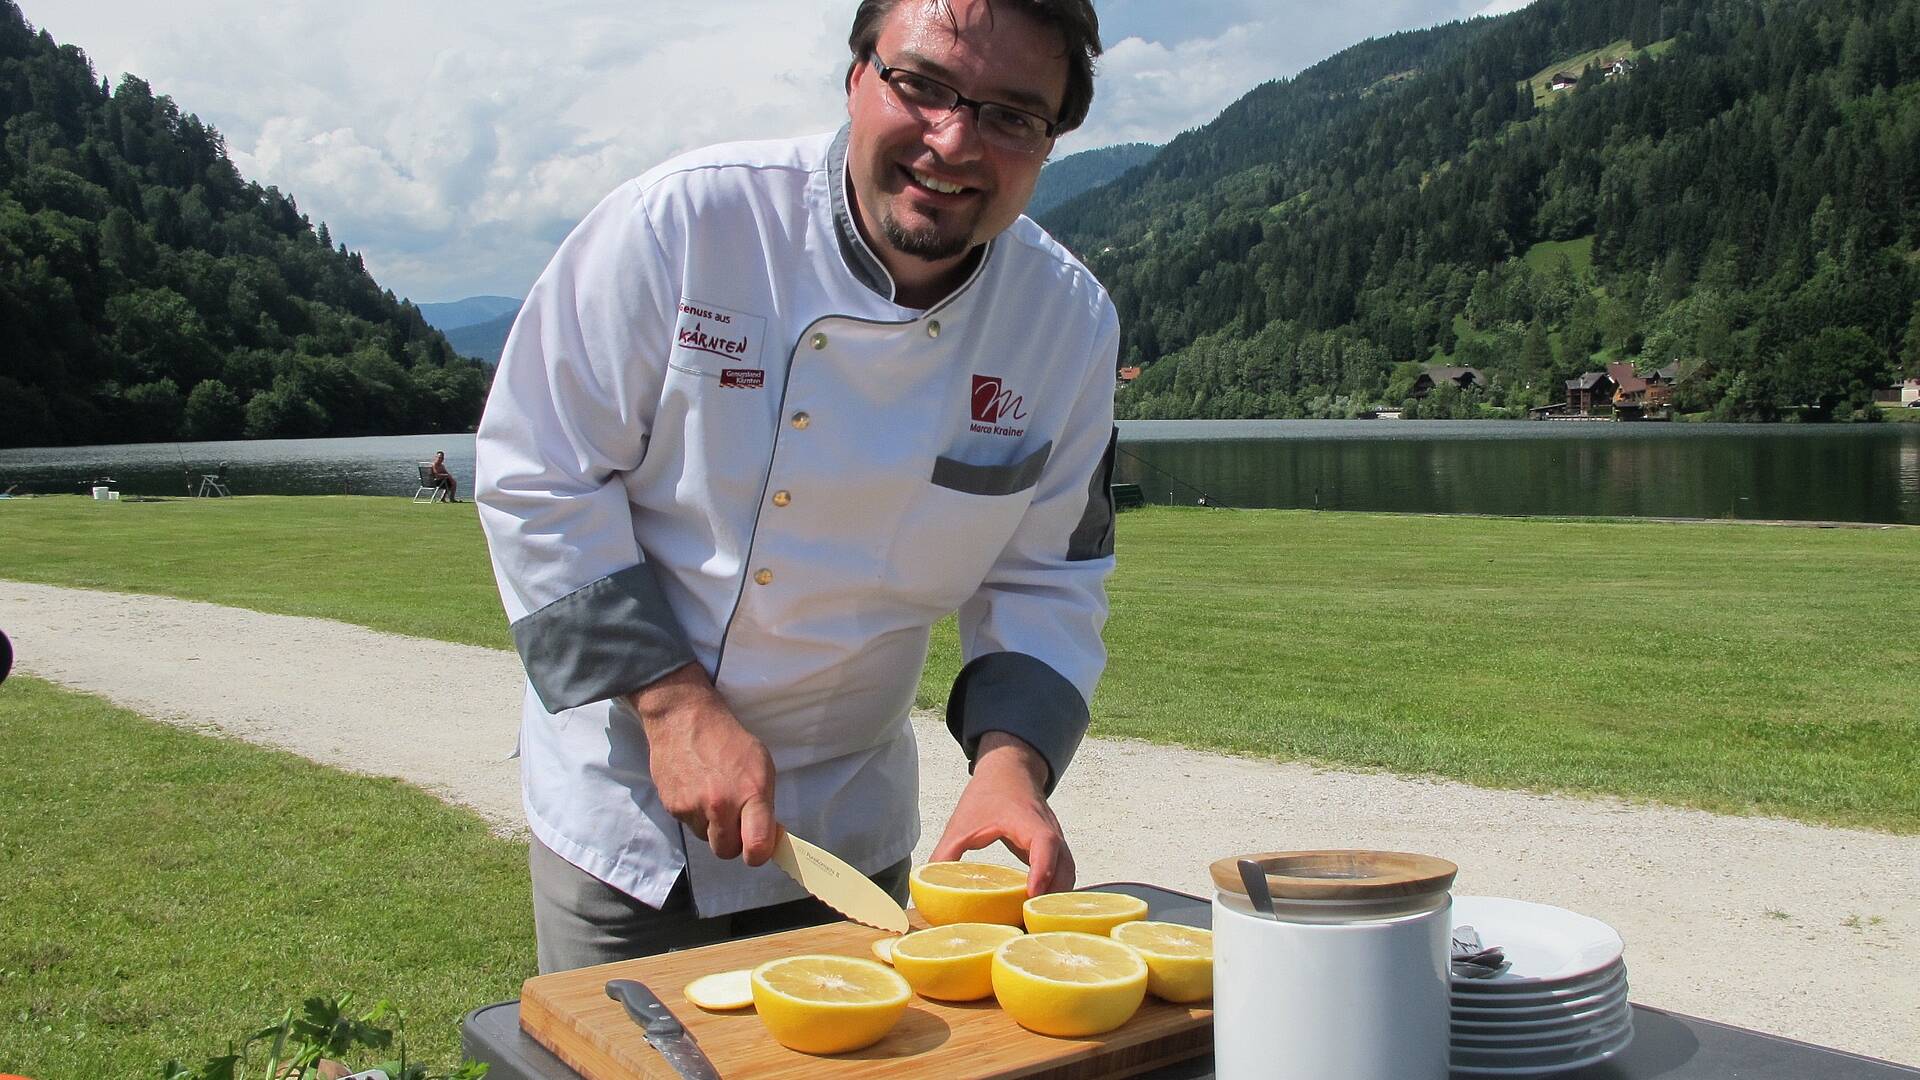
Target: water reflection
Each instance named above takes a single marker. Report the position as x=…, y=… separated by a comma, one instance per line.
x=1838, y=473
x=1626, y=470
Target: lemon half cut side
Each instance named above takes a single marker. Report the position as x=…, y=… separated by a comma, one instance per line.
x=828, y=1004
x=952, y=962
x=956, y=892
x=1069, y=984
x=1087, y=912
x=1179, y=958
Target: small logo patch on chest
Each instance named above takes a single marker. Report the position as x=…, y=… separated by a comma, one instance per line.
x=996, y=408
x=735, y=337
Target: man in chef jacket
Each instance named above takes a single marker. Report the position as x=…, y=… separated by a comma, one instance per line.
x=773, y=410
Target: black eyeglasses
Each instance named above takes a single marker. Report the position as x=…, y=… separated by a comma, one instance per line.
x=932, y=101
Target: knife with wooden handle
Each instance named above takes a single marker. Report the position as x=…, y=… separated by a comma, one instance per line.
x=838, y=885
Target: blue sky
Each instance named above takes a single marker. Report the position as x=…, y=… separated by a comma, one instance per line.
x=454, y=142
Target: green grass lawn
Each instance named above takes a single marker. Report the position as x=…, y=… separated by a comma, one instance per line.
x=166, y=893
x=1737, y=668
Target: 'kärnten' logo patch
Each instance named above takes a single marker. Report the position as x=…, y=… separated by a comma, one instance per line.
x=710, y=339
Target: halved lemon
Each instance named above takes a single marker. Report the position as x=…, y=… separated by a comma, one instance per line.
x=1087, y=912
x=882, y=949
x=828, y=1004
x=722, y=992
x=957, y=892
x=1179, y=958
x=952, y=962
x=1069, y=984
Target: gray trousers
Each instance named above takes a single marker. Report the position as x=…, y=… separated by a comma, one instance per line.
x=580, y=921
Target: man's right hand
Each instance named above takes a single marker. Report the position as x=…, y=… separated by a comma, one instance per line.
x=712, y=775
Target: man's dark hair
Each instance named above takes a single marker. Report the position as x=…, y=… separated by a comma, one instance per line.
x=1075, y=21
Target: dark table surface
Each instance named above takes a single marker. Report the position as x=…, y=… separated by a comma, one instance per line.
x=1666, y=1046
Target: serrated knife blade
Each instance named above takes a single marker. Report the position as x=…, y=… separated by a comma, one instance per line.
x=663, y=1032
x=838, y=885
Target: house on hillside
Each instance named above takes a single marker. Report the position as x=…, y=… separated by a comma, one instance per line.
x=1628, y=387
x=1591, y=390
x=1619, y=66
x=1563, y=81
x=1465, y=378
x=1905, y=393
x=1128, y=374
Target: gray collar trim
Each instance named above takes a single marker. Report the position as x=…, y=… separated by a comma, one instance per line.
x=853, y=247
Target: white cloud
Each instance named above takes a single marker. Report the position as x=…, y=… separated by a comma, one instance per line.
x=453, y=142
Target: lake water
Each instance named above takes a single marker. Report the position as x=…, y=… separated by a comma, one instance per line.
x=1834, y=473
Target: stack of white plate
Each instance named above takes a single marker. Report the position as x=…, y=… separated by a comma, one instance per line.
x=1561, y=1005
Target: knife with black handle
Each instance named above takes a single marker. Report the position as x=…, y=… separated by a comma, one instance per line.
x=664, y=1033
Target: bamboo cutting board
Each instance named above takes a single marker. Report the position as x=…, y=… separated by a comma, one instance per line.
x=570, y=1014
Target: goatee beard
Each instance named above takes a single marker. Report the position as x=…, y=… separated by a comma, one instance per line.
x=928, y=243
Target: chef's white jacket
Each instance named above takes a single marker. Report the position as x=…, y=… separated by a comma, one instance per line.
x=714, y=436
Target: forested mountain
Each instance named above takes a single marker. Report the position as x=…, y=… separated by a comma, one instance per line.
x=467, y=312
x=1742, y=198
x=1062, y=180
x=150, y=292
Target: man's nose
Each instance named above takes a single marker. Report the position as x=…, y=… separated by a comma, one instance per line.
x=956, y=136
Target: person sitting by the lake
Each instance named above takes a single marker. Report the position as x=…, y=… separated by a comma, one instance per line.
x=443, y=479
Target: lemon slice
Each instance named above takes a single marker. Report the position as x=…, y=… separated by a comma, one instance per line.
x=883, y=949
x=1087, y=912
x=1179, y=958
x=957, y=892
x=828, y=1004
x=952, y=962
x=722, y=992
x=1069, y=984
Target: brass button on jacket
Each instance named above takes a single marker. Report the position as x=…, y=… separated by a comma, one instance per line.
x=801, y=420
x=782, y=498
x=764, y=577
x=819, y=342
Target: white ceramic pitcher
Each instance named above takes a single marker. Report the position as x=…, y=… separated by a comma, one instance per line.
x=1345, y=976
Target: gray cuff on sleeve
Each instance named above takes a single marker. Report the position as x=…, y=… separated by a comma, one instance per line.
x=602, y=640
x=1024, y=697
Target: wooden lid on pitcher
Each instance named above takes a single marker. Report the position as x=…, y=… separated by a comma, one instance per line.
x=1340, y=874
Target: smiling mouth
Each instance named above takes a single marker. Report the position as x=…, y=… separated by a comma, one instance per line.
x=934, y=184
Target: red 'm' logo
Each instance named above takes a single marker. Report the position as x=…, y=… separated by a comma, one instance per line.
x=992, y=402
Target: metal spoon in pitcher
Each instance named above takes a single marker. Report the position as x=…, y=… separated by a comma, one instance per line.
x=1255, y=879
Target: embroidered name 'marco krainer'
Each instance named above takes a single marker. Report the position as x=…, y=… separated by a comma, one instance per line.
x=995, y=408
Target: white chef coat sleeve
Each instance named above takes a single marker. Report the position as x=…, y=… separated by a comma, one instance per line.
x=568, y=416
x=1031, y=633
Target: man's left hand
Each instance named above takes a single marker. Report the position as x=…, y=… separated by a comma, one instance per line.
x=1006, y=801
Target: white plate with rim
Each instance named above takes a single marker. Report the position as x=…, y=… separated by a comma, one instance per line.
x=1584, y=988
x=1494, y=1006
x=1543, y=943
x=1554, y=1059
x=1466, y=1025
x=1599, y=1027
x=1609, y=1050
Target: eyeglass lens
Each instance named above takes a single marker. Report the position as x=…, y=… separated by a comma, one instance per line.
x=934, y=101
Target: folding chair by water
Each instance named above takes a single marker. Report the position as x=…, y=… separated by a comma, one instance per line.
x=429, y=487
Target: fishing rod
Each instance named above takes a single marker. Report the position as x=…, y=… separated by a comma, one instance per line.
x=1206, y=499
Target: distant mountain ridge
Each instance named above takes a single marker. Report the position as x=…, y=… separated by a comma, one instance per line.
x=484, y=341
x=454, y=314
x=1078, y=173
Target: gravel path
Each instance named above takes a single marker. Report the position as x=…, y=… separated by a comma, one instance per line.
x=1808, y=932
